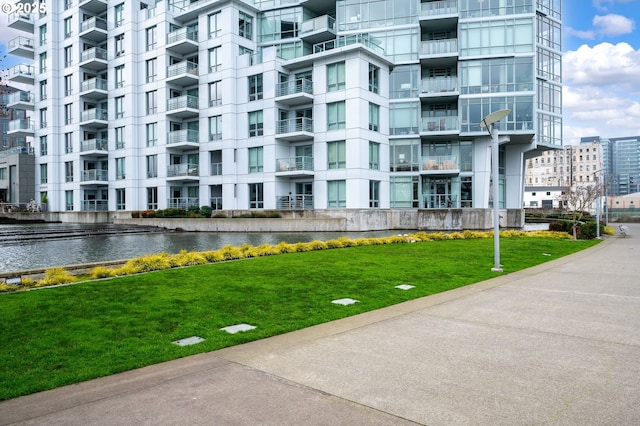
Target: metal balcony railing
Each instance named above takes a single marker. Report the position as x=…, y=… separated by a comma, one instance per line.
x=182, y=34
x=95, y=174
x=291, y=125
x=300, y=162
x=183, y=202
x=95, y=205
x=94, y=114
x=295, y=202
x=180, y=102
x=94, y=145
x=299, y=85
x=177, y=170
x=93, y=23
x=93, y=53
x=184, y=67
x=93, y=84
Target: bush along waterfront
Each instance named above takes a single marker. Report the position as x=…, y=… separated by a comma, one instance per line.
x=161, y=261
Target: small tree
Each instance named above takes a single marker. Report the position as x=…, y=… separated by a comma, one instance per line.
x=577, y=199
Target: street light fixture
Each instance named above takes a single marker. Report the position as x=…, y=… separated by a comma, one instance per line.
x=489, y=123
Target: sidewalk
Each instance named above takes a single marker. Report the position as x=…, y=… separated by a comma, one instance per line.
x=557, y=344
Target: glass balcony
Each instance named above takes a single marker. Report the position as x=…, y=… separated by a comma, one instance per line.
x=295, y=92
x=348, y=40
x=439, y=47
x=183, y=73
x=94, y=145
x=21, y=100
x=440, y=164
x=100, y=175
x=295, y=129
x=94, y=29
x=318, y=29
x=183, y=40
x=183, y=138
x=183, y=170
x=94, y=58
x=440, y=124
x=22, y=73
x=94, y=88
x=21, y=127
x=294, y=164
x=22, y=21
x=183, y=106
x=437, y=8
x=22, y=46
x=95, y=205
x=95, y=116
x=439, y=84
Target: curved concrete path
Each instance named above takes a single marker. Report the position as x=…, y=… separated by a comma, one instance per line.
x=557, y=344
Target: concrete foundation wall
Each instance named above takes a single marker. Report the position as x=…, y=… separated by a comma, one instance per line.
x=303, y=220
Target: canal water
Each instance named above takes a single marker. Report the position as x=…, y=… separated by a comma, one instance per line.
x=36, y=246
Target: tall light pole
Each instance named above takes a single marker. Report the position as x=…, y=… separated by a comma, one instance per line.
x=489, y=122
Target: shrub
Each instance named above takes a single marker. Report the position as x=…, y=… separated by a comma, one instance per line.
x=560, y=226
x=126, y=269
x=159, y=213
x=205, y=211
x=56, y=276
x=230, y=252
x=334, y=244
x=283, y=247
x=265, y=250
x=135, y=214
x=302, y=247
x=588, y=230
x=100, y=272
x=154, y=262
x=185, y=258
x=213, y=256
x=148, y=213
x=317, y=245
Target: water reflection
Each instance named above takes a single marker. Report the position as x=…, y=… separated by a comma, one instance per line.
x=16, y=255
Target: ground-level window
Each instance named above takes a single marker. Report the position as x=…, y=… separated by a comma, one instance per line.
x=120, y=199
x=374, y=193
x=337, y=194
x=256, y=196
x=152, y=198
x=404, y=192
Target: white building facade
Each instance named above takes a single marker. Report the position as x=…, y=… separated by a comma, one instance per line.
x=307, y=105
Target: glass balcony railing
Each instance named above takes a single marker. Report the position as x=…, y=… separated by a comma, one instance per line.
x=439, y=84
x=93, y=23
x=442, y=7
x=93, y=53
x=183, y=202
x=439, y=163
x=439, y=47
x=93, y=84
x=21, y=42
x=348, y=40
x=23, y=124
x=182, y=136
x=439, y=124
x=178, y=170
x=95, y=175
x=21, y=70
x=94, y=114
x=94, y=145
x=295, y=202
x=95, y=205
x=324, y=22
x=21, y=96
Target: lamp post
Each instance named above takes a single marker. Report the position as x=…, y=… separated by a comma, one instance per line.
x=489, y=122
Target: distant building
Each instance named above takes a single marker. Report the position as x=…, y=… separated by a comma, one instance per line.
x=621, y=160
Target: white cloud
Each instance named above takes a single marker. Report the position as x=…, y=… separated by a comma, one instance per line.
x=602, y=4
x=613, y=25
x=604, y=64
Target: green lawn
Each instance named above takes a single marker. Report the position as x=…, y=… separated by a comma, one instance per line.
x=58, y=336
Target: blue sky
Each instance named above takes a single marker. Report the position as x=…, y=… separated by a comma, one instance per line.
x=601, y=67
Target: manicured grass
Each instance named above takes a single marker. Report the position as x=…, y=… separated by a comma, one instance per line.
x=58, y=336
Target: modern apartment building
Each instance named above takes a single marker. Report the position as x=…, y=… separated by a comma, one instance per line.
x=621, y=162
x=342, y=106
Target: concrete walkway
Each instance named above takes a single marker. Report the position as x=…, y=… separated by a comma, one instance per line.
x=557, y=344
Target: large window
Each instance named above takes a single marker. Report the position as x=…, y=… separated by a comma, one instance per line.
x=119, y=132
x=44, y=145
x=256, y=159
x=279, y=24
x=336, y=155
x=151, y=35
x=214, y=60
x=215, y=128
x=213, y=23
x=119, y=76
x=493, y=37
x=245, y=25
x=256, y=124
x=374, y=78
x=215, y=93
x=68, y=198
x=256, y=196
x=374, y=193
x=119, y=106
x=404, y=118
x=152, y=166
x=497, y=75
x=336, y=194
x=44, y=172
x=474, y=109
x=152, y=102
x=365, y=14
x=336, y=115
x=335, y=76
x=405, y=155
x=374, y=117
x=481, y=8
x=68, y=143
x=118, y=42
x=68, y=171
x=120, y=169
x=43, y=62
x=152, y=69
x=374, y=155
x=118, y=14
x=120, y=199
x=152, y=136
x=255, y=87
x=152, y=198
x=404, y=192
